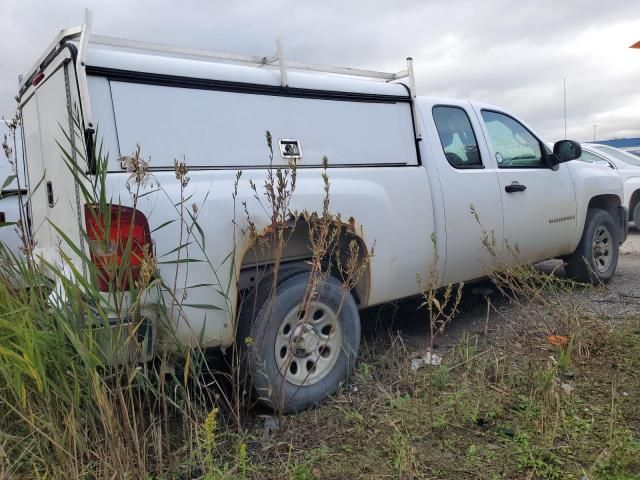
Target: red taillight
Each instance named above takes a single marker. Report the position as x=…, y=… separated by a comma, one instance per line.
x=37, y=79
x=119, y=240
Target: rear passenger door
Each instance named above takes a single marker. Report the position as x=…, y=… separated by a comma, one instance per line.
x=538, y=201
x=469, y=185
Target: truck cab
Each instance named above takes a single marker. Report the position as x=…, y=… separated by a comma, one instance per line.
x=496, y=173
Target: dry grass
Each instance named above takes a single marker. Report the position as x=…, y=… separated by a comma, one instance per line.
x=69, y=410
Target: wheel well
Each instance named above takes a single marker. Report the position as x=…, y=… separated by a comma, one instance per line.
x=296, y=249
x=635, y=199
x=611, y=204
x=605, y=202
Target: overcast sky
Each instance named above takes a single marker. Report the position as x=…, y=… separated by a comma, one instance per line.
x=513, y=53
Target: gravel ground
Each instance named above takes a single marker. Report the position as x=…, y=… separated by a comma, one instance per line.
x=632, y=245
x=622, y=295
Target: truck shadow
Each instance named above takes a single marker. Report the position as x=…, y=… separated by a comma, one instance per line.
x=409, y=318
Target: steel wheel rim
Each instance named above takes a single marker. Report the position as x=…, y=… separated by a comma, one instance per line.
x=602, y=249
x=308, y=343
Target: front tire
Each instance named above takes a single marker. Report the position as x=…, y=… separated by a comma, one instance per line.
x=596, y=258
x=299, y=354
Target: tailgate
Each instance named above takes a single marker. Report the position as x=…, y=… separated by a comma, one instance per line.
x=48, y=109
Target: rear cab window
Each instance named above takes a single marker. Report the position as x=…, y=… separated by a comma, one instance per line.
x=457, y=137
x=514, y=146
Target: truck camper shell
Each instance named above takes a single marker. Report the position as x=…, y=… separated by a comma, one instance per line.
x=156, y=95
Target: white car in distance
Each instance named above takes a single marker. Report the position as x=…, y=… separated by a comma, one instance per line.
x=628, y=167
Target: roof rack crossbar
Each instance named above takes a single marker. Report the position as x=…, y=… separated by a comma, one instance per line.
x=275, y=59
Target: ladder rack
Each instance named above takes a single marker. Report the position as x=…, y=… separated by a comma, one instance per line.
x=82, y=34
x=275, y=59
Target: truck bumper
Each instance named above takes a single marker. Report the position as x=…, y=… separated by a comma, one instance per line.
x=623, y=215
x=125, y=340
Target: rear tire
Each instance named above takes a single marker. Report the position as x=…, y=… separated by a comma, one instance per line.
x=596, y=258
x=296, y=363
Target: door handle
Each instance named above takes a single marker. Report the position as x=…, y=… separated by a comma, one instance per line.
x=515, y=187
x=50, y=200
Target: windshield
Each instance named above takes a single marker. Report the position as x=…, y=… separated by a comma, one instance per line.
x=593, y=157
x=619, y=154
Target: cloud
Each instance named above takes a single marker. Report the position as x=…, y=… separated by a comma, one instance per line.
x=513, y=54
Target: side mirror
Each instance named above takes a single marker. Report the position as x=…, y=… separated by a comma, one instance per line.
x=566, y=150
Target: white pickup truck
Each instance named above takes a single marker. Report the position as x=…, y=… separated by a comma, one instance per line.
x=404, y=174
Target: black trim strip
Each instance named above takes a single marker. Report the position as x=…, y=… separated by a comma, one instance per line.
x=89, y=146
x=9, y=192
x=239, y=87
x=414, y=122
x=266, y=167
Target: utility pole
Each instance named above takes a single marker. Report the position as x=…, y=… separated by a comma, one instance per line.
x=594, y=133
x=564, y=88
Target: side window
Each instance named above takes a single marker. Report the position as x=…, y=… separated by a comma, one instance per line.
x=457, y=137
x=514, y=145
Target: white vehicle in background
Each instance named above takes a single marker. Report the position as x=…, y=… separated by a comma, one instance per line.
x=406, y=173
x=627, y=165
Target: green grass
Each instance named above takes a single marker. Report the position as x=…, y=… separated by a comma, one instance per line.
x=495, y=416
